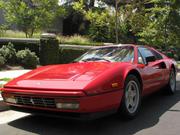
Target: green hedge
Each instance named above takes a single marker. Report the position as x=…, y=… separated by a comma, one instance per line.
x=67, y=55
x=34, y=47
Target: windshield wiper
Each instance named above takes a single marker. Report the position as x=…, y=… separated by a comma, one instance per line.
x=95, y=59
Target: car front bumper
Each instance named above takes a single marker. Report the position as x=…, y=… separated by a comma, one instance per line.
x=87, y=104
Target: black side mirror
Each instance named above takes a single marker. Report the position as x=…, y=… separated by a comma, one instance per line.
x=150, y=59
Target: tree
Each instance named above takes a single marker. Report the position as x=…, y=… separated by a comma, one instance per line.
x=162, y=26
x=32, y=15
x=99, y=19
x=116, y=4
x=116, y=19
x=3, y=27
x=152, y=22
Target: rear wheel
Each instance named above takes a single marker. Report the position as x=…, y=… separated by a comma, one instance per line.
x=171, y=86
x=132, y=98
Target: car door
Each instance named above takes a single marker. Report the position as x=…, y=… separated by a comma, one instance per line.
x=151, y=72
x=162, y=65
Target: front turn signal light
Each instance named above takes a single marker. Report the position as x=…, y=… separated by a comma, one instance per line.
x=114, y=85
x=68, y=106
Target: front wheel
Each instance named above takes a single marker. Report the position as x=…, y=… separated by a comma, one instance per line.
x=171, y=86
x=132, y=98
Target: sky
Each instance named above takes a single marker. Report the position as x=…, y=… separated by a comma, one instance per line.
x=63, y=1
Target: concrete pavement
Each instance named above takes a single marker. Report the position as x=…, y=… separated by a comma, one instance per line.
x=12, y=73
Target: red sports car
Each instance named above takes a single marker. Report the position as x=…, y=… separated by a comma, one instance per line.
x=102, y=81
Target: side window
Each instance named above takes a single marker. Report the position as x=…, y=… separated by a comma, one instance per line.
x=157, y=55
x=145, y=52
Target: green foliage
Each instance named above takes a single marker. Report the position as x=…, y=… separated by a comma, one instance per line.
x=49, y=51
x=100, y=27
x=1, y=4
x=152, y=22
x=33, y=15
x=5, y=79
x=162, y=27
x=9, y=53
x=2, y=61
x=102, y=23
x=99, y=21
x=19, y=45
x=3, y=29
x=27, y=59
x=15, y=34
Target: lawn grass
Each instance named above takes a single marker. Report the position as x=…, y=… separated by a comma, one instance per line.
x=70, y=40
x=179, y=65
x=4, y=79
x=77, y=40
x=17, y=34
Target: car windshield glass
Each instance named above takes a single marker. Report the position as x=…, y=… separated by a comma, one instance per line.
x=109, y=54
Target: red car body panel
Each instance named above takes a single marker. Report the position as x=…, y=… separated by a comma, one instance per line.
x=88, y=83
x=88, y=104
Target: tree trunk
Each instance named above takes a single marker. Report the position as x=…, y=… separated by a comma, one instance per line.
x=116, y=22
x=26, y=34
x=32, y=32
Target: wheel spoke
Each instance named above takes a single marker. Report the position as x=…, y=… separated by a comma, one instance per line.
x=130, y=87
x=131, y=102
x=133, y=93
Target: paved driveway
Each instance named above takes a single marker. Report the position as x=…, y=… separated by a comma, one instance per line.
x=160, y=115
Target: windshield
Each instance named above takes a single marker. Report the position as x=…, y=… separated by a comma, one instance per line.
x=109, y=54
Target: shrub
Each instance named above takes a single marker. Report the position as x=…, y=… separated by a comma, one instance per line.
x=32, y=45
x=2, y=61
x=27, y=59
x=9, y=53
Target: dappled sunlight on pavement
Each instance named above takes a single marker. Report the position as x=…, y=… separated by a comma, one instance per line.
x=12, y=73
x=8, y=116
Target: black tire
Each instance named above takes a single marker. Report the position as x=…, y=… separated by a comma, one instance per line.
x=169, y=89
x=125, y=112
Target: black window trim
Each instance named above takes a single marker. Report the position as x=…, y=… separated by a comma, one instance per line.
x=144, y=62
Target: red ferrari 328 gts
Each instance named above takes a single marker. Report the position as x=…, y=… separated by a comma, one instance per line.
x=103, y=80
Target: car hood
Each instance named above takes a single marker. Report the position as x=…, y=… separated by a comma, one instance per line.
x=74, y=76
